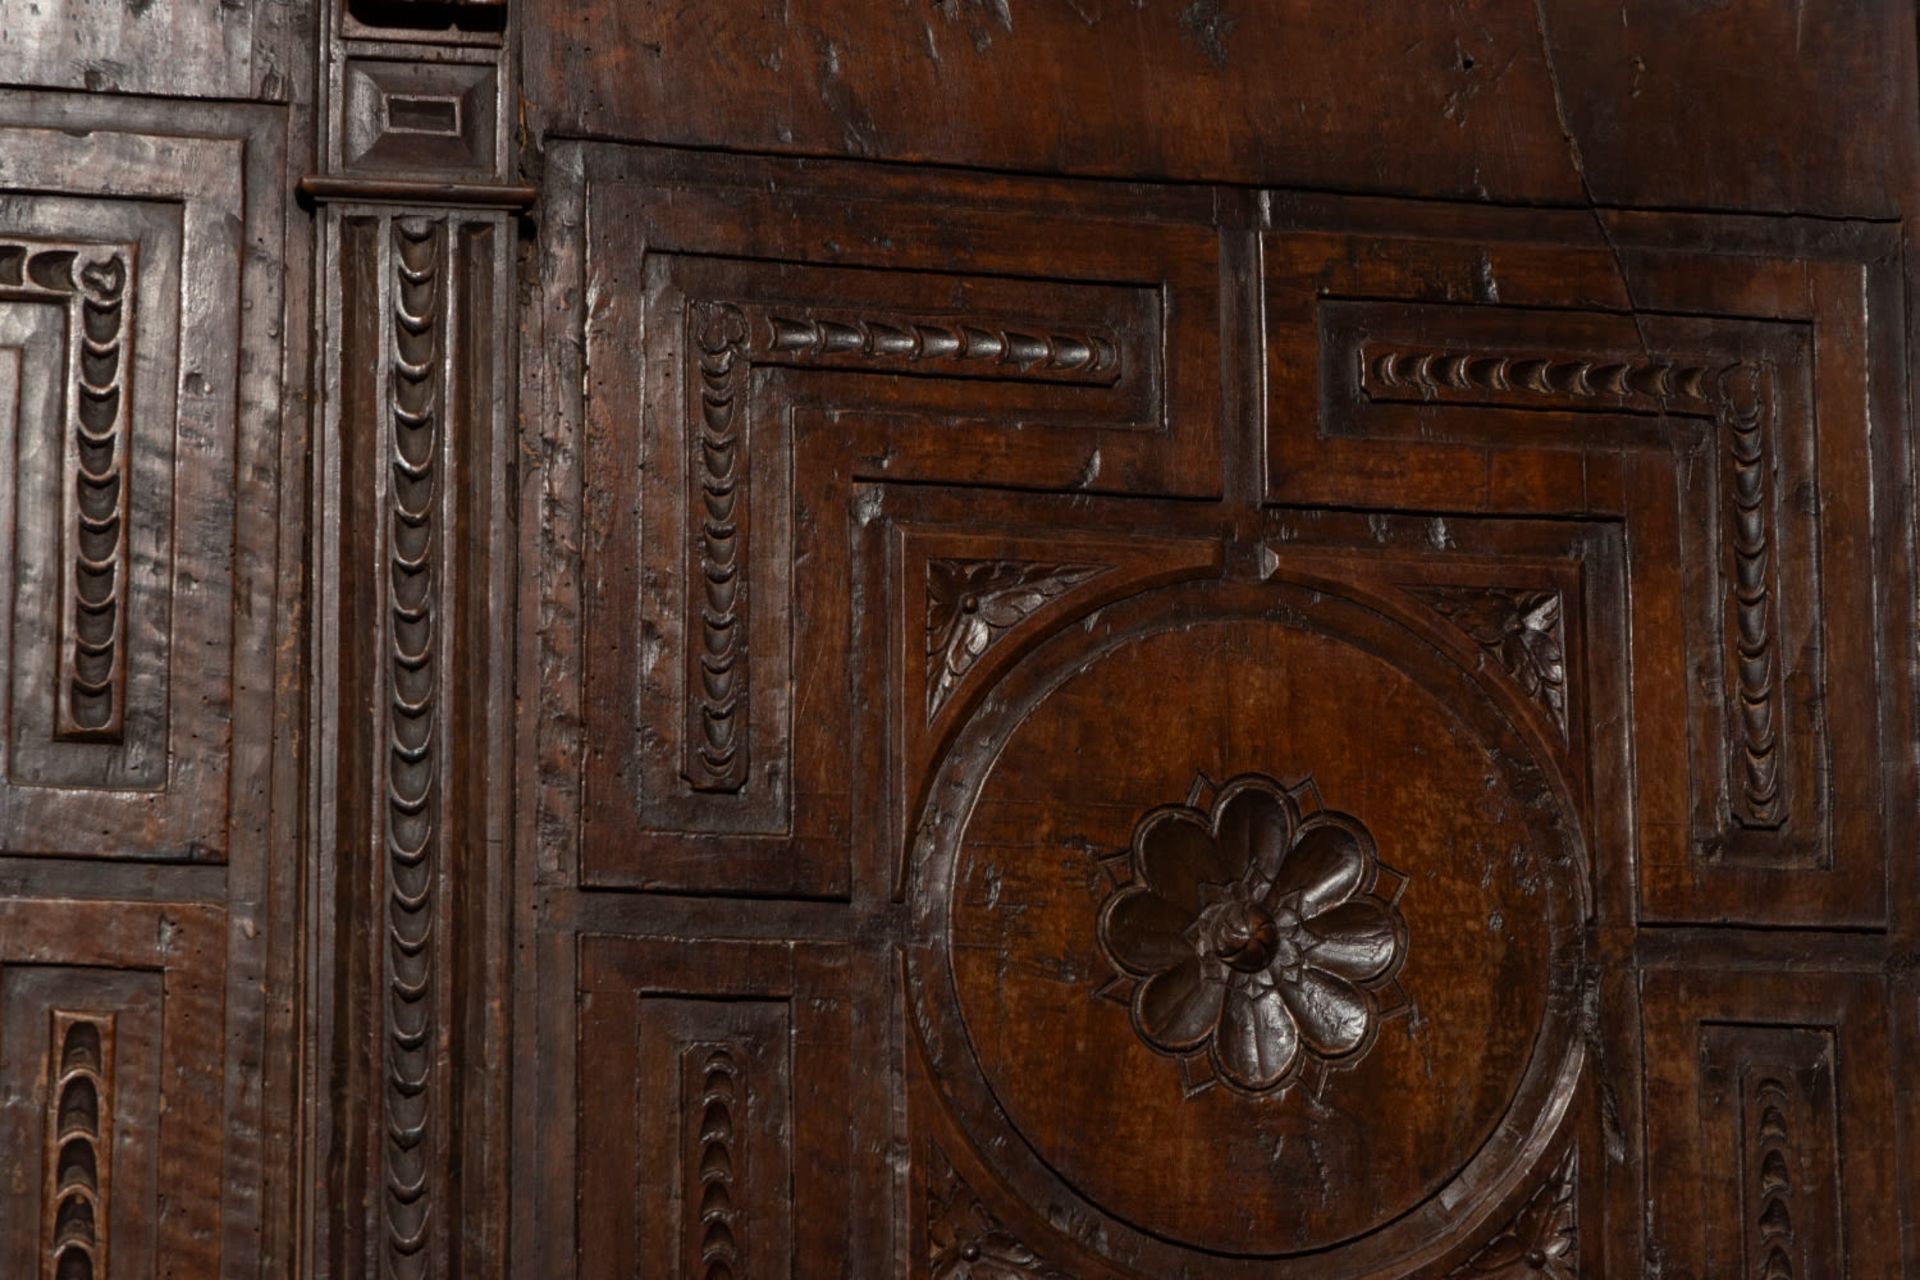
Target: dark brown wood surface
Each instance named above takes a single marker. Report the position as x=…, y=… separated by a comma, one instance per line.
x=966, y=640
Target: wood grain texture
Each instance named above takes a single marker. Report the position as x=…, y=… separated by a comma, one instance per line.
x=974, y=639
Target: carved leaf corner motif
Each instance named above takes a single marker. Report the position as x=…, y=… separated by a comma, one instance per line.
x=972, y=603
x=1543, y=1243
x=965, y=1241
x=1519, y=627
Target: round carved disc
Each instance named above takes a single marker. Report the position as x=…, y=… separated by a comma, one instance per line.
x=1251, y=932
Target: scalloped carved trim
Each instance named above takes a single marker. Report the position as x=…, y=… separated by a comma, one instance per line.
x=79, y=1148
x=714, y=1076
x=952, y=346
x=717, y=508
x=96, y=283
x=1775, y=1247
x=414, y=550
x=1740, y=398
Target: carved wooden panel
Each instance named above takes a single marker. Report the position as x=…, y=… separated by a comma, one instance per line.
x=1737, y=452
x=742, y=373
x=1258, y=841
x=1245, y=934
x=714, y=1076
x=194, y=48
x=111, y=1099
x=133, y=513
x=1767, y=1096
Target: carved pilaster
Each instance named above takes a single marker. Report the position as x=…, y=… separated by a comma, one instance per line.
x=412, y=909
x=414, y=643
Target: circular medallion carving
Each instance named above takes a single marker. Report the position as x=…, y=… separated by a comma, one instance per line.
x=1305, y=1020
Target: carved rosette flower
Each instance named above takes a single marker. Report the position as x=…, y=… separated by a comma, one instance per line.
x=1262, y=937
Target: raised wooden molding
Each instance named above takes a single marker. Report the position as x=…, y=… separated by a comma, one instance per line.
x=323, y=189
x=1739, y=397
x=96, y=282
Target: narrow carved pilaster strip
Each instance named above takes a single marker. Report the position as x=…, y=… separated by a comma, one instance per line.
x=1774, y=1250
x=964, y=1239
x=714, y=1077
x=1739, y=397
x=414, y=552
x=1518, y=627
x=79, y=1148
x=971, y=603
x=717, y=511
x=1543, y=1241
x=954, y=346
x=1750, y=596
x=96, y=284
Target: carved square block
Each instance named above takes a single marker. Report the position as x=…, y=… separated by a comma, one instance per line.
x=136, y=523
x=414, y=118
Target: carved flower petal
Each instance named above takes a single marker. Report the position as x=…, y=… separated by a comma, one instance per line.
x=1144, y=933
x=1354, y=940
x=1177, y=854
x=1333, y=1013
x=1326, y=866
x=1257, y=1042
x=1177, y=1008
x=1255, y=829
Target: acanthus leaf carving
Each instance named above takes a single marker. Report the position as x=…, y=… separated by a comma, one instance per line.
x=972, y=603
x=1543, y=1241
x=966, y=1241
x=1520, y=627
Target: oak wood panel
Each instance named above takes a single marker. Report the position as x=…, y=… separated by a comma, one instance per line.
x=993, y=638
